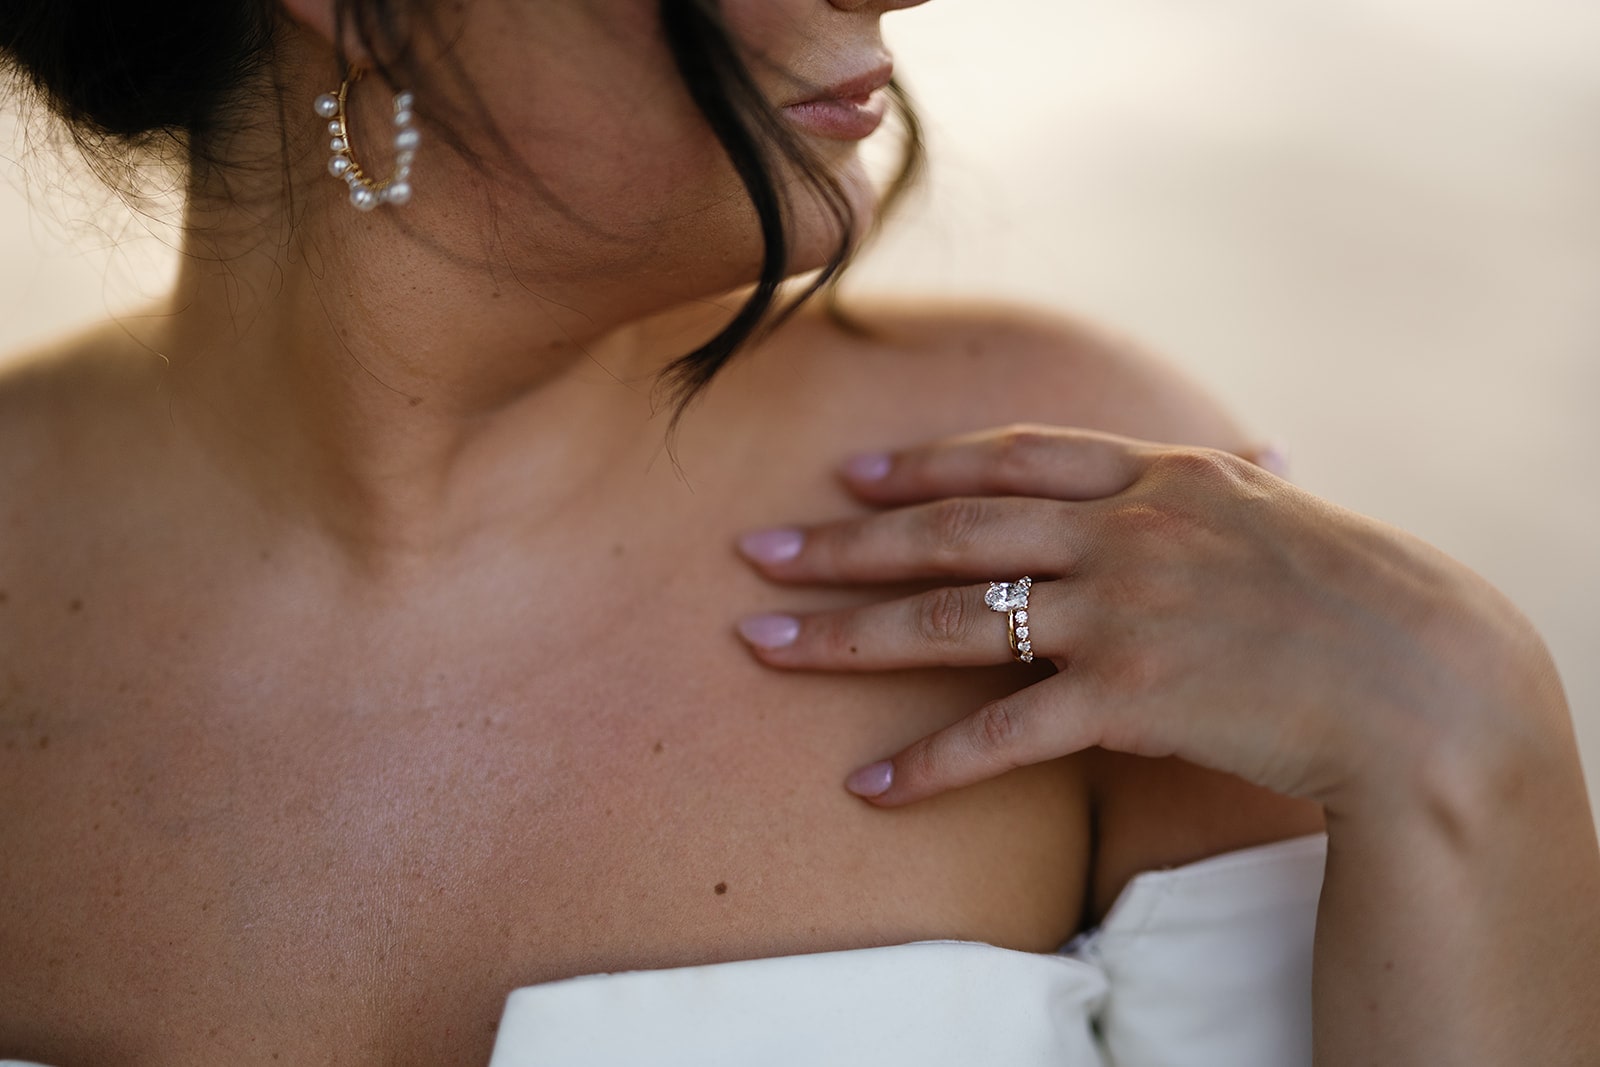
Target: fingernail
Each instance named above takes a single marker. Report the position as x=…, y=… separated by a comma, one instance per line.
x=872, y=780
x=867, y=467
x=1275, y=458
x=772, y=546
x=769, y=631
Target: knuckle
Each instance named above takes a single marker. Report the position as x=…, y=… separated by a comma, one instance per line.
x=942, y=617
x=1019, y=451
x=1207, y=466
x=951, y=527
x=1127, y=589
x=1159, y=519
x=998, y=727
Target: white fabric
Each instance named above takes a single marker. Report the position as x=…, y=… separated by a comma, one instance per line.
x=1205, y=965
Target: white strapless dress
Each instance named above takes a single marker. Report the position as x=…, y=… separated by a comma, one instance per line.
x=1205, y=965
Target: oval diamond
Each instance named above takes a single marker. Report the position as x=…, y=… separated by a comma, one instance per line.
x=1006, y=596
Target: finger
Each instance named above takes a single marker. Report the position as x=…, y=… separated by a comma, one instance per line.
x=1020, y=460
x=1039, y=723
x=961, y=537
x=949, y=627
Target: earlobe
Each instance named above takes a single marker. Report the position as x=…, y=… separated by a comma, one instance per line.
x=318, y=17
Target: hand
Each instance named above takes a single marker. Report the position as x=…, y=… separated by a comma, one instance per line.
x=1191, y=603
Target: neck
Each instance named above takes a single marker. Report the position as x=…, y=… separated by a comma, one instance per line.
x=399, y=398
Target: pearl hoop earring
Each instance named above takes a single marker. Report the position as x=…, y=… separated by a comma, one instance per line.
x=365, y=194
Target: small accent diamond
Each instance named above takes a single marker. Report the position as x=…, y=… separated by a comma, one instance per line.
x=1022, y=633
x=1022, y=618
x=1025, y=646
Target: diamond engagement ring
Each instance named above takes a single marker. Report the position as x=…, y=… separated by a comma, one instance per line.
x=1012, y=598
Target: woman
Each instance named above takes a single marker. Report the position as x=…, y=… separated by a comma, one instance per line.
x=368, y=659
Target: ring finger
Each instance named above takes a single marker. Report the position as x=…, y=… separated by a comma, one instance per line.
x=946, y=627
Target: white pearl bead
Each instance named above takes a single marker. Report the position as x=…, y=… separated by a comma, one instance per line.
x=338, y=144
x=338, y=165
x=397, y=193
x=327, y=105
x=363, y=198
x=407, y=140
x=402, y=118
x=336, y=128
x=404, y=158
x=403, y=101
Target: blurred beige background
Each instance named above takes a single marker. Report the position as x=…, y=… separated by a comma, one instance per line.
x=1372, y=227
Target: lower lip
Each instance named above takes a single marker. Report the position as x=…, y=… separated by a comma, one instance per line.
x=841, y=120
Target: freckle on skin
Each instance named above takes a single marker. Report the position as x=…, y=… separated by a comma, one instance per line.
x=44, y=742
x=659, y=746
x=74, y=605
x=5, y=597
x=852, y=649
x=720, y=888
x=616, y=550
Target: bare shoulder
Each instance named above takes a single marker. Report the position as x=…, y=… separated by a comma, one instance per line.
x=95, y=382
x=961, y=364
x=76, y=420
x=936, y=368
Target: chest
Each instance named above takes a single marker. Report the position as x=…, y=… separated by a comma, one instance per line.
x=382, y=836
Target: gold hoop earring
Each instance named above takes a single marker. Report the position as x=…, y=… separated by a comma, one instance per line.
x=365, y=194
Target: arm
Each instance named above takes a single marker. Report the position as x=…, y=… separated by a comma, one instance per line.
x=1198, y=608
x=1460, y=912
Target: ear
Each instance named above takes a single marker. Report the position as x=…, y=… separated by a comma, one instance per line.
x=317, y=16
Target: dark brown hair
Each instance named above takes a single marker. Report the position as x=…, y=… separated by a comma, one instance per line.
x=131, y=79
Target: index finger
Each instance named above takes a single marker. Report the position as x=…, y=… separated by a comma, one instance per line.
x=1023, y=459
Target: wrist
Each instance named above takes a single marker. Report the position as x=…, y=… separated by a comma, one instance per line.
x=1470, y=782
x=1479, y=726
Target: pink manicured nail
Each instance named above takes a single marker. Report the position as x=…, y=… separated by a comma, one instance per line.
x=772, y=546
x=867, y=467
x=1275, y=458
x=873, y=780
x=769, y=631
